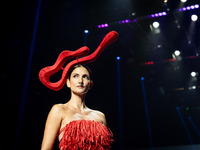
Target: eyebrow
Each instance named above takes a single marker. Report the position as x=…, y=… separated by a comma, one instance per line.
x=79, y=74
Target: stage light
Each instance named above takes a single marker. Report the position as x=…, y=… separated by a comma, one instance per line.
x=196, y=6
x=177, y=52
x=157, y=14
x=194, y=17
x=192, y=87
x=152, y=15
x=156, y=24
x=184, y=9
x=193, y=74
x=118, y=58
x=103, y=25
x=86, y=31
x=164, y=13
x=192, y=7
x=183, y=1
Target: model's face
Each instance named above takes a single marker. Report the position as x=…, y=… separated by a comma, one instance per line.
x=79, y=81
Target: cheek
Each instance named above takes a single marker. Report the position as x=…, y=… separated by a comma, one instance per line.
x=72, y=82
x=88, y=84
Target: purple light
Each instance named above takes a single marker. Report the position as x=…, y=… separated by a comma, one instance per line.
x=196, y=6
x=135, y=20
x=159, y=14
x=188, y=8
x=192, y=7
x=164, y=13
x=103, y=25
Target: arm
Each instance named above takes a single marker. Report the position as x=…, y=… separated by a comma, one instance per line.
x=51, y=128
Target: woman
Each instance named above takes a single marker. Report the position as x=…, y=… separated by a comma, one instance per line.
x=77, y=126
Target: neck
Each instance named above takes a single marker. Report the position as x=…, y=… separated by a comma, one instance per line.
x=77, y=101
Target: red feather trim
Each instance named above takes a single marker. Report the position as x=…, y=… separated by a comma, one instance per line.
x=85, y=135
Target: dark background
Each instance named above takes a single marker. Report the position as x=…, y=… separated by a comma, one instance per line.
x=61, y=26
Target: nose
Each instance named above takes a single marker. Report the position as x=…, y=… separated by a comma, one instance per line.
x=80, y=80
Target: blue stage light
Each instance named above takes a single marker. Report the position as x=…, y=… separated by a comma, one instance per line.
x=86, y=31
x=118, y=58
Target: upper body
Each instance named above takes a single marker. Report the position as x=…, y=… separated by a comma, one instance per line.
x=60, y=115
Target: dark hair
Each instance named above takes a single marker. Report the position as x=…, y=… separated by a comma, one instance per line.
x=76, y=66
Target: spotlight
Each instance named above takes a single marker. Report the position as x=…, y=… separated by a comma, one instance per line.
x=192, y=87
x=193, y=74
x=196, y=6
x=194, y=17
x=105, y=25
x=118, y=58
x=164, y=13
x=86, y=31
x=177, y=52
x=183, y=1
x=156, y=24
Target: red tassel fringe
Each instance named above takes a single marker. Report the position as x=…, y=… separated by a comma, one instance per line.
x=85, y=135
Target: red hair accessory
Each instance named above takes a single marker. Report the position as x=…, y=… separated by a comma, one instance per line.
x=47, y=72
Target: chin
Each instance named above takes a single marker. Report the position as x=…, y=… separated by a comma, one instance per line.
x=80, y=92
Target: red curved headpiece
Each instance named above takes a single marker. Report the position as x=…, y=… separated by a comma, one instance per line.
x=47, y=72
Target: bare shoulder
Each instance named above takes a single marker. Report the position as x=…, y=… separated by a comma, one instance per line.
x=58, y=107
x=57, y=110
x=100, y=115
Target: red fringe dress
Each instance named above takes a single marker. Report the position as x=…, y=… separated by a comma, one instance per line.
x=85, y=135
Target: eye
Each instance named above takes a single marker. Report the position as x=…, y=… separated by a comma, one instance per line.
x=75, y=76
x=86, y=77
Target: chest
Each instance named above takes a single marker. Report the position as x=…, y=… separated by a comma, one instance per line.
x=77, y=115
x=82, y=116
